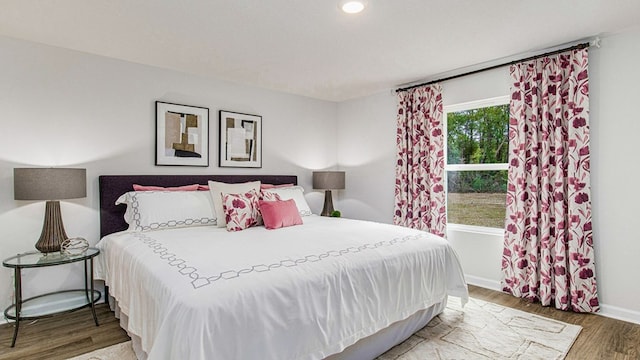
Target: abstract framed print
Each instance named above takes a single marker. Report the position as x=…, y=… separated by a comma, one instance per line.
x=240, y=140
x=182, y=135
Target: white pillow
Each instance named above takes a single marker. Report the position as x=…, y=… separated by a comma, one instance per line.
x=218, y=189
x=292, y=192
x=157, y=210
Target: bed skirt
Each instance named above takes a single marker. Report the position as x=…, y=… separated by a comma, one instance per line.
x=369, y=347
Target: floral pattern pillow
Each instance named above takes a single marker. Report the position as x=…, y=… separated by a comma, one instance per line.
x=269, y=196
x=241, y=210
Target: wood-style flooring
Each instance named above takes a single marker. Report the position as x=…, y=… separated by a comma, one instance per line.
x=62, y=336
x=68, y=335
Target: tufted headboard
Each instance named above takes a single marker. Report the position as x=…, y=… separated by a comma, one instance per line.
x=112, y=186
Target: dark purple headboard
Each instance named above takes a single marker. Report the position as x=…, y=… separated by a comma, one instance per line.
x=112, y=186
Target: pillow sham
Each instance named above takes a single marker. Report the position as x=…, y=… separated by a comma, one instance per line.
x=157, y=210
x=193, y=187
x=241, y=210
x=278, y=214
x=218, y=189
x=293, y=192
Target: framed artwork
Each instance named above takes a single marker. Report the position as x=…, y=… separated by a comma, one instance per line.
x=240, y=140
x=182, y=135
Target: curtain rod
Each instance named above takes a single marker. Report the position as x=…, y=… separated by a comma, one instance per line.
x=574, y=47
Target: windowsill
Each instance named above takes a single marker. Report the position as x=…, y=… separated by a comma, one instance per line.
x=476, y=229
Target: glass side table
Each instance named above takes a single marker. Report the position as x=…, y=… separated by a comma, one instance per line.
x=50, y=304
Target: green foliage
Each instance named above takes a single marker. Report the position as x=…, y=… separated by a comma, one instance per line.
x=335, y=213
x=487, y=181
x=478, y=136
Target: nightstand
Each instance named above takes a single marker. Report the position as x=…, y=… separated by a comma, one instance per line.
x=50, y=304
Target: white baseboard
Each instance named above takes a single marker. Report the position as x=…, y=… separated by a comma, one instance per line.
x=483, y=282
x=609, y=311
x=619, y=313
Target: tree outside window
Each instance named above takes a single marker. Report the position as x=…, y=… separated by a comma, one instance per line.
x=477, y=155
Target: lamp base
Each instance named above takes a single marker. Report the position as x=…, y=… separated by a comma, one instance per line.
x=53, y=233
x=328, y=204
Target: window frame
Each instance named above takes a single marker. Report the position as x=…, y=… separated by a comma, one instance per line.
x=495, y=101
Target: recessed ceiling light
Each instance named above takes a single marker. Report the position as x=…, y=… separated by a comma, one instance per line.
x=351, y=6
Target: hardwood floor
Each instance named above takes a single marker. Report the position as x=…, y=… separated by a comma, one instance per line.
x=65, y=336
x=62, y=336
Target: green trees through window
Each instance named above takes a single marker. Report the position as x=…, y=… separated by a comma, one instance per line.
x=477, y=155
x=478, y=136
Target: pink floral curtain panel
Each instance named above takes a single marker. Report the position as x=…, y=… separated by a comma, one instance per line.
x=548, y=246
x=419, y=192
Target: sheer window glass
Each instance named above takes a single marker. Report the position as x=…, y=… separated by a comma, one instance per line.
x=476, y=152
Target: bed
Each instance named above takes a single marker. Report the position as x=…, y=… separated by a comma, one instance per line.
x=327, y=289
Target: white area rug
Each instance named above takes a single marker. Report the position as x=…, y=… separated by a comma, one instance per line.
x=122, y=351
x=481, y=330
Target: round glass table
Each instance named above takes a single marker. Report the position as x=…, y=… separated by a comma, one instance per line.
x=51, y=303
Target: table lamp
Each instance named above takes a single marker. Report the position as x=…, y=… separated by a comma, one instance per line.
x=327, y=181
x=51, y=184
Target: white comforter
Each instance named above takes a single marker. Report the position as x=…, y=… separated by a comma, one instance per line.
x=302, y=292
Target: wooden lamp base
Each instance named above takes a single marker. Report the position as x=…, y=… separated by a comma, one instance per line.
x=328, y=204
x=53, y=233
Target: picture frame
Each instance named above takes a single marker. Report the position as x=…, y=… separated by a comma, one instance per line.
x=182, y=135
x=240, y=139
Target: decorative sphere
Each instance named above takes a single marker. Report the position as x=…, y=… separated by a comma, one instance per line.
x=74, y=246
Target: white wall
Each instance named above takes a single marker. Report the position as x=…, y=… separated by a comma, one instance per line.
x=367, y=153
x=366, y=143
x=65, y=108
x=615, y=169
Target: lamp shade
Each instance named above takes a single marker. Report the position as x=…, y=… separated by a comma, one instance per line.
x=328, y=180
x=49, y=183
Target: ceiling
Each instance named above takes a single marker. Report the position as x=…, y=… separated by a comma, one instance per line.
x=309, y=47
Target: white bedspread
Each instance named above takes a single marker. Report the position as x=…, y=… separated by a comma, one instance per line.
x=302, y=292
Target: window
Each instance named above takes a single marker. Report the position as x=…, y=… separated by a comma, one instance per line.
x=476, y=155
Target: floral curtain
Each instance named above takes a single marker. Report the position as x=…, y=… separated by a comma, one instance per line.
x=548, y=245
x=419, y=192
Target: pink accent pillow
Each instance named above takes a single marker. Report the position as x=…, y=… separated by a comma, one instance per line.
x=277, y=214
x=271, y=186
x=267, y=196
x=203, y=187
x=241, y=210
x=193, y=187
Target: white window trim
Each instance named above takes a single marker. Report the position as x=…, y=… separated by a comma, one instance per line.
x=476, y=167
x=499, y=100
x=475, y=229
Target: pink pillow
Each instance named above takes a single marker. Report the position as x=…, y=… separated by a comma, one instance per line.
x=193, y=187
x=277, y=214
x=203, y=187
x=241, y=210
x=271, y=186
